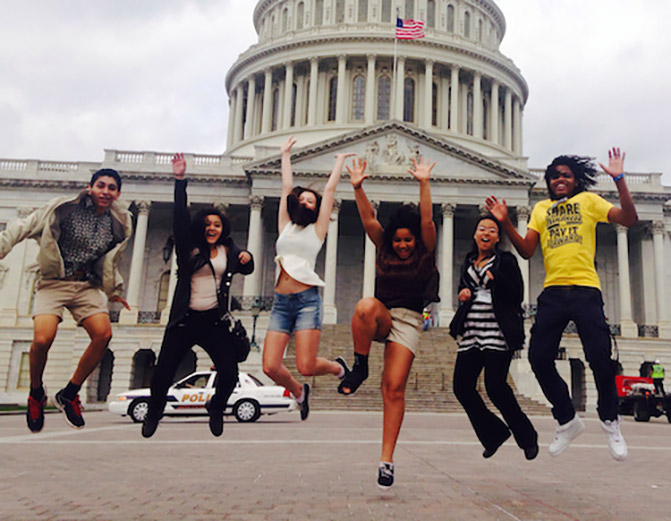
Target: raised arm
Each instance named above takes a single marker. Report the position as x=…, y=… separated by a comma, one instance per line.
x=180, y=212
x=422, y=172
x=370, y=223
x=287, y=183
x=21, y=229
x=322, y=224
x=525, y=246
x=626, y=215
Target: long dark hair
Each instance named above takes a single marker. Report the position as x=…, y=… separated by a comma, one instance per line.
x=198, y=230
x=474, y=245
x=298, y=213
x=583, y=169
x=407, y=216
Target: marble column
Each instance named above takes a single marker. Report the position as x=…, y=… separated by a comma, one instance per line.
x=508, y=121
x=477, y=105
x=172, y=284
x=369, y=261
x=251, y=98
x=427, y=119
x=517, y=126
x=231, y=120
x=398, y=98
x=267, y=116
x=454, y=99
x=523, y=214
x=494, y=119
x=252, y=284
x=446, y=265
x=369, y=112
x=312, y=95
x=288, y=95
x=239, y=102
x=663, y=324
x=330, y=309
x=136, y=264
x=628, y=328
x=342, y=89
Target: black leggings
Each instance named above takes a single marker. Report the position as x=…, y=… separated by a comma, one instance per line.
x=489, y=428
x=199, y=328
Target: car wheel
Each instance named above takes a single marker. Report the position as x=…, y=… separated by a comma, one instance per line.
x=641, y=412
x=247, y=411
x=137, y=410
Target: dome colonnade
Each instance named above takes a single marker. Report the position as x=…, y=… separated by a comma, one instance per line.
x=324, y=67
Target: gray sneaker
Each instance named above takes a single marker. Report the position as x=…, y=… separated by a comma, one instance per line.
x=616, y=443
x=565, y=434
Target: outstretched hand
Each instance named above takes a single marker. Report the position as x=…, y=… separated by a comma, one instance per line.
x=615, y=162
x=286, y=147
x=356, y=173
x=179, y=165
x=421, y=170
x=498, y=209
x=244, y=257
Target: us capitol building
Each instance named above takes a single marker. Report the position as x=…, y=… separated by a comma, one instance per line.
x=323, y=70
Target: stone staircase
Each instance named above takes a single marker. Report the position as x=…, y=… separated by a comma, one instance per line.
x=429, y=385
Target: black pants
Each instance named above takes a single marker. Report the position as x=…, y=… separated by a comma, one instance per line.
x=659, y=385
x=489, y=428
x=557, y=305
x=199, y=328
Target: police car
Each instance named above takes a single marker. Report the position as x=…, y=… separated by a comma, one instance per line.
x=188, y=396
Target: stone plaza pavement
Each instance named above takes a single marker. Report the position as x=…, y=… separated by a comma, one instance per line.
x=323, y=469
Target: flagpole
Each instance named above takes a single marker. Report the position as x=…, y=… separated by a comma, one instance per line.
x=392, y=109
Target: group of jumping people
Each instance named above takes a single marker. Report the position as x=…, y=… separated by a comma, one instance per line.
x=81, y=240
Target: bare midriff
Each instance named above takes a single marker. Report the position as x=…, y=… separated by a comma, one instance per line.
x=287, y=285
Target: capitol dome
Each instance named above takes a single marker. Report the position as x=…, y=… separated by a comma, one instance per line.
x=324, y=68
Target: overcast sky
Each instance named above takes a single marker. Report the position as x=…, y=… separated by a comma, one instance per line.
x=79, y=76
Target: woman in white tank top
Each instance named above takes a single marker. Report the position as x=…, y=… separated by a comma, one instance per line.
x=303, y=221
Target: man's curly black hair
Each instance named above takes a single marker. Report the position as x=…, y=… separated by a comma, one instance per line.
x=583, y=168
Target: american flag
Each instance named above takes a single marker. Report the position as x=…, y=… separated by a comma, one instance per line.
x=409, y=29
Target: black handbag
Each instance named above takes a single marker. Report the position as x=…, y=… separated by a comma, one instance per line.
x=237, y=334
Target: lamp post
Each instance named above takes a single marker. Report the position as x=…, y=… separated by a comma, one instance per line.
x=256, y=310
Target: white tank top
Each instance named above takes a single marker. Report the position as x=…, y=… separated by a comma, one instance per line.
x=203, y=287
x=297, y=248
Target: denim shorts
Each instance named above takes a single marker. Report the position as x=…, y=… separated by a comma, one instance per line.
x=296, y=311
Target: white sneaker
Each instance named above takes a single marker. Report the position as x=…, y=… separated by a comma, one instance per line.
x=616, y=443
x=565, y=434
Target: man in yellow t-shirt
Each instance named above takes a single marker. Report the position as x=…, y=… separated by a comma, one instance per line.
x=565, y=226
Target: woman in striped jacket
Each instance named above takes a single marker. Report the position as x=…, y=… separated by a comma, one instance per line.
x=490, y=323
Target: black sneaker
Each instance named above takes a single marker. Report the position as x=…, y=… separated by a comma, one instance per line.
x=216, y=419
x=340, y=360
x=304, y=406
x=149, y=425
x=35, y=413
x=72, y=410
x=385, y=475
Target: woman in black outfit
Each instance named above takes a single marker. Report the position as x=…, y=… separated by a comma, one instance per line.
x=205, y=252
x=490, y=323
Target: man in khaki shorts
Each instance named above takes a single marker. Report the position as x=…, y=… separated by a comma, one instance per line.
x=81, y=239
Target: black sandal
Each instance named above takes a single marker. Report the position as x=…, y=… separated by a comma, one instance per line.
x=352, y=380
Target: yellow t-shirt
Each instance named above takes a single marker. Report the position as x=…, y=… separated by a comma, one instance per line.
x=568, y=238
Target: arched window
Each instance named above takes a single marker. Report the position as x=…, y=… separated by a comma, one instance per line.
x=410, y=9
x=276, y=108
x=300, y=14
x=163, y=284
x=485, y=108
x=480, y=31
x=362, y=15
x=386, y=11
x=358, y=98
x=469, y=114
x=319, y=12
x=431, y=13
x=434, y=105
x=409, y=99
x=467, y=24
x=450, y=18
x=294, y=94
x=273, y=26
x=333, y=95
x=340, y=11
x=383, y=97
x=285, y=20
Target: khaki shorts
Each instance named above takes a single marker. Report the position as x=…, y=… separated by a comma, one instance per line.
x=406, y=326
x=80, y=298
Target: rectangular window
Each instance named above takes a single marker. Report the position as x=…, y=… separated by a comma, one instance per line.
x=23, y=381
